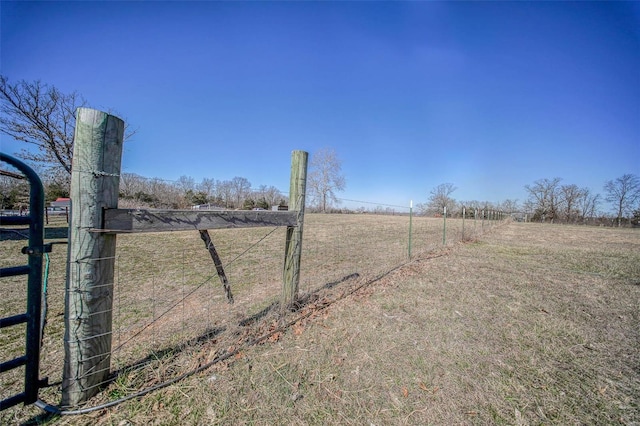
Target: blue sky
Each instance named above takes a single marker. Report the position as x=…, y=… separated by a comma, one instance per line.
x=489, y=96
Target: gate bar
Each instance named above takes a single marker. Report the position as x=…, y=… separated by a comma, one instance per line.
x=14, y=320
x=34, y=287
x=16, y=220
x=12, y=271
x=14, y=363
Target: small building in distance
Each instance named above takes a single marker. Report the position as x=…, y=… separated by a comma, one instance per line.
x=61, y=203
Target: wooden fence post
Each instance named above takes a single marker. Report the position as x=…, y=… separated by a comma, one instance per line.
x=293, y=245
x=95, y=179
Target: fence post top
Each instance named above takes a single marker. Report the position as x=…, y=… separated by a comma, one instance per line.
x=91, y=112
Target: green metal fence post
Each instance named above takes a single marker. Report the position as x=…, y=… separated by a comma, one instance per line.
x=444, y=230
x=410, y=225
x=464, y=211
x=475, y=219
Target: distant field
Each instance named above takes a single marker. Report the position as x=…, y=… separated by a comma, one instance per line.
x=528, y=324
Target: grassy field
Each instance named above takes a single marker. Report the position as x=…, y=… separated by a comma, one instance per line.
x=166, y=291
x=527, y=324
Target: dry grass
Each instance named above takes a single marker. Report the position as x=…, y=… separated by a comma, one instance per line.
x=530, y=324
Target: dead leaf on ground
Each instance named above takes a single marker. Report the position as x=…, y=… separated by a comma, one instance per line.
x=275, y=337
x=424, y=387
x=298, y=329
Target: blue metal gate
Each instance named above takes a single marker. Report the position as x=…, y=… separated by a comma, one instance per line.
x=32, y=317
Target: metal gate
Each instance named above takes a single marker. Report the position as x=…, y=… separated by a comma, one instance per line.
x=32, y=317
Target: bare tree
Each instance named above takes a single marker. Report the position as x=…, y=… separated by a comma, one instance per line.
x=224, y=193
x=185, y=183
x=240, y=190
x=208, y=187
x=544, y=199
x=57, y=183
x=570, y=195
x=325, y=178
x=186, y=186
x=587, y=203
x=167, y=194
x=142, y=191
x=270, y=194
x=41, y=115
x=440, y=197
x=509, y=206
x=623, y=193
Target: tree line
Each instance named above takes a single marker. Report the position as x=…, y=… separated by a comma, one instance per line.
x=440, y=197
x=137, y=191
x=550, y=200
x=237, y=193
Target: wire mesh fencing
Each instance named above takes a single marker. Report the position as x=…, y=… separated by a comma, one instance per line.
x=338, y=246
x=170, y=313
x=168, y=291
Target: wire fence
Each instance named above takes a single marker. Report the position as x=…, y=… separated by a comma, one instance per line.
x=170, y=314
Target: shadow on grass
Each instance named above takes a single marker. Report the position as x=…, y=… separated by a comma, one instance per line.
x=42, y=419
x=207, y=336
x=214, y=332
x=166, y=353
x=302, y=301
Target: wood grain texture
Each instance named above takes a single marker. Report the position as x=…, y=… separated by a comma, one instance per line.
x=293, y=244
x=204, y=234
x=89, y=294
x=136, y=220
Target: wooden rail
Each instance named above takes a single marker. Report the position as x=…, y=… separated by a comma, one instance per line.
x=117, y=221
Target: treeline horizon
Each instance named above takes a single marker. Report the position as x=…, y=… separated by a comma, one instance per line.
x=549, y=200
